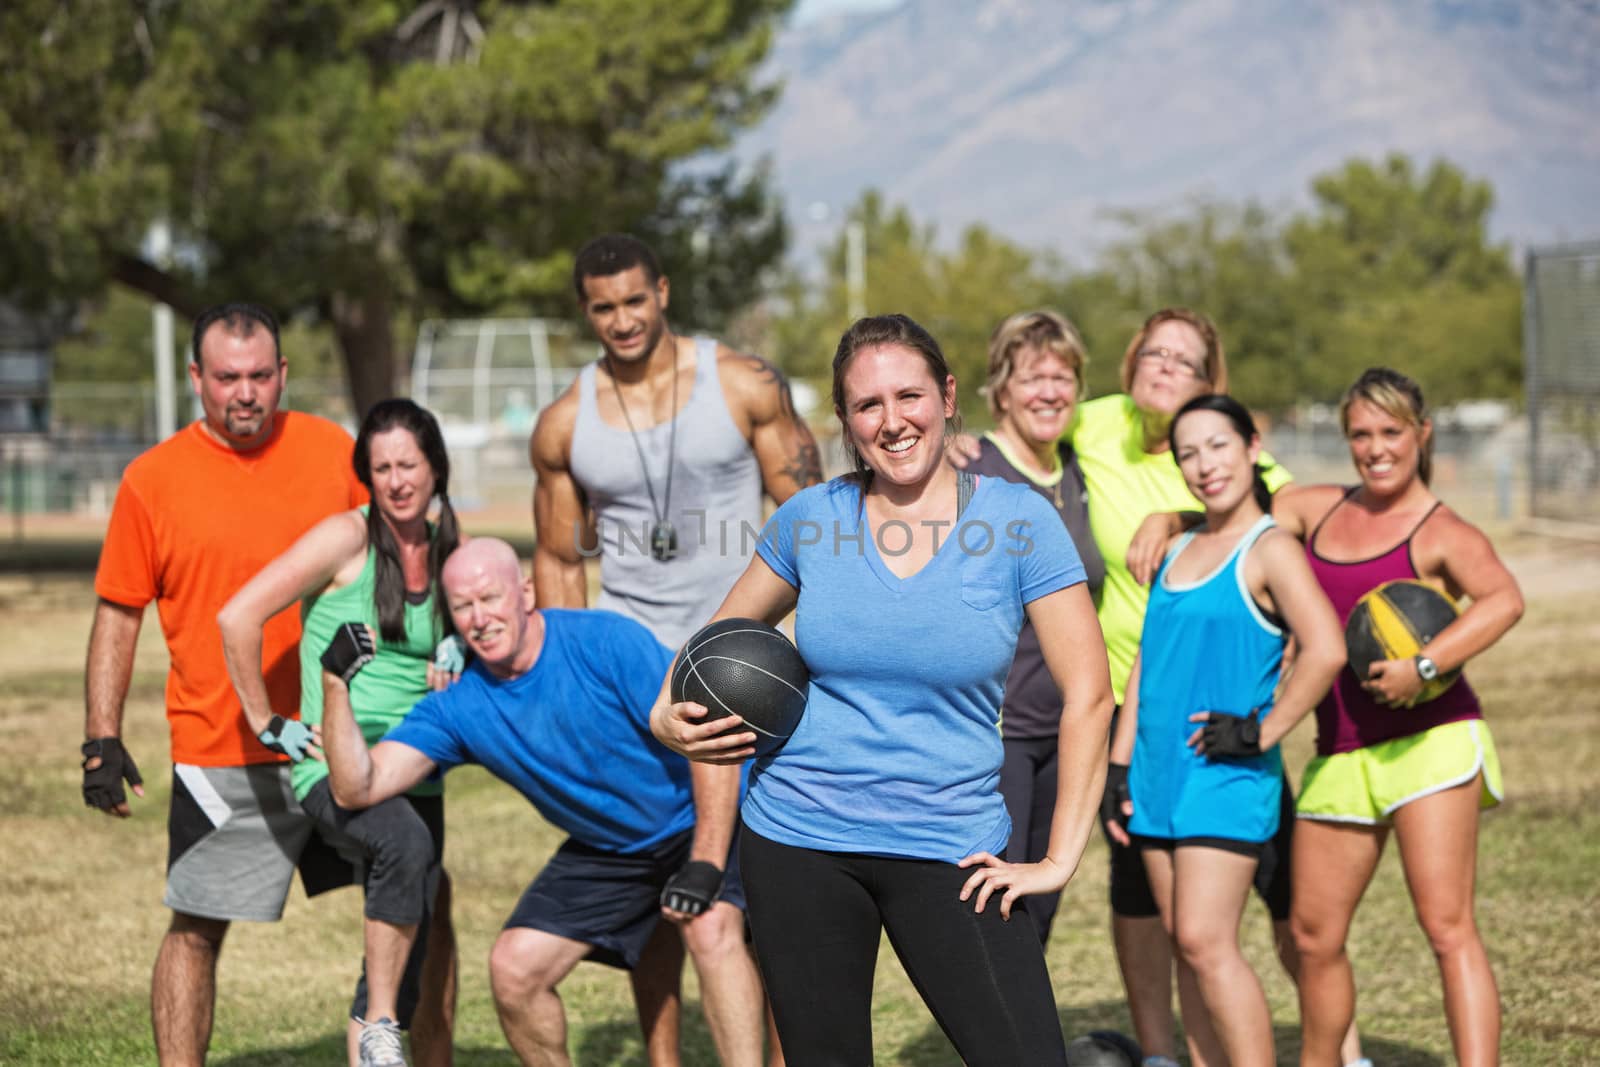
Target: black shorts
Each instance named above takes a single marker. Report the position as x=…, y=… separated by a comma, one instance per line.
x=611, y=901
x=1130, y=893
x=367, y=848
x=1253, y=849
x=1130, y=884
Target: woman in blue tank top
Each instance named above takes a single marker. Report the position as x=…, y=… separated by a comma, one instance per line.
x=1200, y=726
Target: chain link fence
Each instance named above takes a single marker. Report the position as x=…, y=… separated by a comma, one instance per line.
x=1561, y=335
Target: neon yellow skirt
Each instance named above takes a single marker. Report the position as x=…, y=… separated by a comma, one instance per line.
x=1367, y=785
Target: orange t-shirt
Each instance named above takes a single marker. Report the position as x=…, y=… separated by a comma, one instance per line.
x=193, y=521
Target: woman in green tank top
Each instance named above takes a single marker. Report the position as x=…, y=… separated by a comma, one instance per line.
x=380, y=565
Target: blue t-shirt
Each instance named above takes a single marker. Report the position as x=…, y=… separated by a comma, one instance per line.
x=898, y=753
x=572, y=735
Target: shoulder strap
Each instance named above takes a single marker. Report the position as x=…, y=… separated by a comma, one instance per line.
x=1172, y=553
x=705, y=360
x=1436, y=505
x=588, y=386
x=966, y=485
x=1326, y=515
x=1252, y=535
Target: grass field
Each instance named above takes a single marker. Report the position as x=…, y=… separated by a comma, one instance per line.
x=81, y=915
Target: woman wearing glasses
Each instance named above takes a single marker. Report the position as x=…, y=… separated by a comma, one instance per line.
x=1121, y=446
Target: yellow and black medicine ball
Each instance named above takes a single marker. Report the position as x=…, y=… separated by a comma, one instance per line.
x=1395, y=621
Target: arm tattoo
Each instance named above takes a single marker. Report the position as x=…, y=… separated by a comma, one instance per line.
x=805, y=465
x=770, y=375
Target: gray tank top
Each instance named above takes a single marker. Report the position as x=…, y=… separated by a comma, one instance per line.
x=715, y=506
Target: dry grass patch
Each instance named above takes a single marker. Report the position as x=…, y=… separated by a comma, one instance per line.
x=80, y=894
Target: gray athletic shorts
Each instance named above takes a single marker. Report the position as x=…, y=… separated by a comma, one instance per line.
x=234, y=836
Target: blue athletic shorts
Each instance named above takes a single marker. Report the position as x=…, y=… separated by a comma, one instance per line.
x=611, y=901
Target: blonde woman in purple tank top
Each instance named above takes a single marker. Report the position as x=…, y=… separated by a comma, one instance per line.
x=1386, y=762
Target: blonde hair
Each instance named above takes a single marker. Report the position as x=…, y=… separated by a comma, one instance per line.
x=1045, y=331
x=1398, y=397
x=1216, y=360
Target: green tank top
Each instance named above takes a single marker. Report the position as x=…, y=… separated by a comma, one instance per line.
x=385, y=689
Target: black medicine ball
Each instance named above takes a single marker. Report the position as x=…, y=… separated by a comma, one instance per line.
x=745, y=667
x=1103, y=1048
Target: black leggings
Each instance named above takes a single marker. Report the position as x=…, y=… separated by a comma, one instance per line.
x=1028, y=783
x=816, y=917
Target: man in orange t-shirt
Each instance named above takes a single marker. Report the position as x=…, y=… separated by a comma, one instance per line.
x=195, y=518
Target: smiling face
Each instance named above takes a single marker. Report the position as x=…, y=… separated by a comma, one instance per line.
x=489, y=603
x=239, y=380
x=627, y=312
x=1386, y=450
x=894, y=412
x=1169, y=368
x=402, y=478
x=1037, y=400
x=1217, y=463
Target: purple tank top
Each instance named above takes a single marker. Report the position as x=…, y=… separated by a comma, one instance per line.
x=1349, y=717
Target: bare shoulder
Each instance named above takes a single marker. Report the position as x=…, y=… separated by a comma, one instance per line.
x=1278, y=545
x=1445, y=533
x=340, y=537
x=1299, y=507
x=1302, y=495
x=346, y=545
x=348, y=523
x=551, y=443
x=753, y=385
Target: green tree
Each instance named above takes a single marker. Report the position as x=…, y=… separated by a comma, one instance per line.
x=1388, y=266
x=1395, y=267
x=959, y=294
x=1224, y=260
x=358, y=158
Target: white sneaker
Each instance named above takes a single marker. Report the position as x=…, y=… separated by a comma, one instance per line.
x=380, y=1044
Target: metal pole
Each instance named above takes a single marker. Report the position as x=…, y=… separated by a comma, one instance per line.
x=855, y=269
x=16, y=493
x=161, y=336
x=1530, y=372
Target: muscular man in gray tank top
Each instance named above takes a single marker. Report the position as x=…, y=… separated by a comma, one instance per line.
x=655, y=460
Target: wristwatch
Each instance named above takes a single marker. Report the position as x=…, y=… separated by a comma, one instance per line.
x=1426, y=668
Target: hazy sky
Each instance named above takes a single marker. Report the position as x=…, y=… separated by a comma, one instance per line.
x=807, y=10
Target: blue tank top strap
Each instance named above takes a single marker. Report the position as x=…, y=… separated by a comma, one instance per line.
x=1242, y=549
x=1243, y=545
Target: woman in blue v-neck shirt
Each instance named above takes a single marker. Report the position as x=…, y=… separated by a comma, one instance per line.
x=882, y=812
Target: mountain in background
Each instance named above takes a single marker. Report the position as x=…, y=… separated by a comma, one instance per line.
x=1039, y=118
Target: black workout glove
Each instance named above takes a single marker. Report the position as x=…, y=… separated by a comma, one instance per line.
x=1227, y=735
x=349, y=651
x=286, y=737
x=102, y=787
x=693, y=889
x=1116, y=794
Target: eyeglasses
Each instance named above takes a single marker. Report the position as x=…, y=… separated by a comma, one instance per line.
x=1177, y=362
